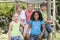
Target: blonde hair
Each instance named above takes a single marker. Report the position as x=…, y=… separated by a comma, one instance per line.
x=13, y=16
x=19, y=5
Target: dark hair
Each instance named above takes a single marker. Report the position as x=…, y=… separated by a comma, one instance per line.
x=43, y=4
x=39, y=13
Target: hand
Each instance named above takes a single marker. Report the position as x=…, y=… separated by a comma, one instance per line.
x=9, y=38
x=40, y=37
x=24, y=34
x=28, y=36
x=22, y=20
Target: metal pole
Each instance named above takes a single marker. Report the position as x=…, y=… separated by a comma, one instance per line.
x=48, y=13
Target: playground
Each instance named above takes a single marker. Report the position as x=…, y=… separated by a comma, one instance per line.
x=7, y=8
x=5, y=37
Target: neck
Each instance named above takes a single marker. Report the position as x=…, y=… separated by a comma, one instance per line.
x=29, y=11
x=15, y=21
x=36, y=20
x=44, y=10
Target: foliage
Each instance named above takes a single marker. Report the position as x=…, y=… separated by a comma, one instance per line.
x=6, y=11
x=3, y=22
x=58, y=9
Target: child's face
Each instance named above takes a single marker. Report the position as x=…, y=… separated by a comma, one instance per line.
x=43, y=8
x=15, y=17
x=19, y=9
x=30, y=7
x=36, y=16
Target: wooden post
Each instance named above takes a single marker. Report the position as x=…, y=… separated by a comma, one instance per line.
x=15, y=4
x=49, y=8
x=48, y=13
x=0, y=31
x=54, y=31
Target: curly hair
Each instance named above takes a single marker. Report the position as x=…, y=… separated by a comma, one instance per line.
x=39, y=13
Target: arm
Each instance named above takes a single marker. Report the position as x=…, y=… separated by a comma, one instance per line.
x=29, y=26
x=51, y=20
x=43, y=30
x=9, y=32
x=23, y=16
x=24, y=28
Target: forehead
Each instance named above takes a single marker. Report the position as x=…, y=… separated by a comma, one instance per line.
x=15, y=15
x=30, y=5
x=43, y=6
x=36, y=13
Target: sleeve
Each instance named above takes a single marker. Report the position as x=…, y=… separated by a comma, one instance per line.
x=30, y=21
x=23, y=16
x=42, y=22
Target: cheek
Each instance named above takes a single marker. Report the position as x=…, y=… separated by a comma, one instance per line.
x=16, y=18
x=44, y=8
x=36, y=17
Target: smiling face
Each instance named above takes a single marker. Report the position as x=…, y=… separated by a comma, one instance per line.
x=19, y=9
x=30, y=7
x=43, y=8
x=36, y=16
x=15, y=17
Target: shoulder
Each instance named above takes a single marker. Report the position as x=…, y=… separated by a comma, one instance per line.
x=41, y=21
x=31, y=20
x=23, y=11
x=26, y=11
x=20, y=22
x=11, y=23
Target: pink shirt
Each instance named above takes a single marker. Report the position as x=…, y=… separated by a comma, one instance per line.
x=28, y=15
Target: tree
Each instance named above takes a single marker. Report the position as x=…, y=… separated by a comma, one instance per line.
x=58, y=9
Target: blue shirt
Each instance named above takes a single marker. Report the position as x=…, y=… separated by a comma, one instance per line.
x=36, y=27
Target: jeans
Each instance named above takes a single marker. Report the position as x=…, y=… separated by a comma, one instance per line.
x=33, y=37
x=49, y=28
x=45, y=34
x=16, y=38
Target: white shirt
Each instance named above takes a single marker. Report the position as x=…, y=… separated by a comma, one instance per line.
x=22, y=16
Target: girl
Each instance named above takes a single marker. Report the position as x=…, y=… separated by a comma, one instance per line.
x=35, y=25
x=14, y=33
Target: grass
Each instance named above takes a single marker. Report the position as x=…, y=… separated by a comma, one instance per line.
x=58, y=36
x=5, y=37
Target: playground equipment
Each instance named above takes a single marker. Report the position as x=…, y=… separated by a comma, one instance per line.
x=49, y=2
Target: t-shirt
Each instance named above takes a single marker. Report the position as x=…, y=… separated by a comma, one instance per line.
x=15, y=30
x=36, y=27
x=22, y=16
x=28, y=15
x=44, y=14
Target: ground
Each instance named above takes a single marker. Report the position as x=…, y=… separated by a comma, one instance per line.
x=5, y=36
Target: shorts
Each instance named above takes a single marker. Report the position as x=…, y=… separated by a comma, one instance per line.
x=16, y=38
x=33, y=37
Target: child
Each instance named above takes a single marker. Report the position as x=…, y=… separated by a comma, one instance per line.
x=43, y=10
x=35, y=25
x=14, y=33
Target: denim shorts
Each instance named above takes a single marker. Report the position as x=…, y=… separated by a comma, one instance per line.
x=16, y=38
x=33, y=37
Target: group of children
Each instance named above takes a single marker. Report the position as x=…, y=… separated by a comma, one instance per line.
x=32, y=29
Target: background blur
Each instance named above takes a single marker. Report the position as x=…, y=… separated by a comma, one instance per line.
x=7, y=9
